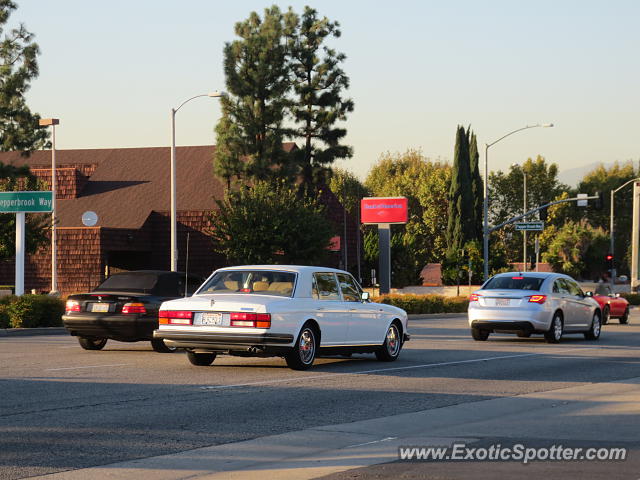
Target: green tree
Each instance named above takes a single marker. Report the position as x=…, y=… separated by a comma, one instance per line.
x=268, y=224
x=506, y=191
x=250, y=132
x=18, y=67
x=477, y=185
x=575, y=248
x=318, y=103
x=422, y=240
x=37, y=225
x=605, y=180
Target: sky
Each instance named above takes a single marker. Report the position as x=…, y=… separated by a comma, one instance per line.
x=112, y=71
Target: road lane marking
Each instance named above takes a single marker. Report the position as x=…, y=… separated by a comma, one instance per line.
x=379, y=370
x=88, y=366
x=371, y=443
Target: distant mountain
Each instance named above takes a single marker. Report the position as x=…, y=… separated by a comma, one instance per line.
x=574, y=175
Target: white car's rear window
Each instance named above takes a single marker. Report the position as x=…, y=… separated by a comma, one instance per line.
x=263, y=282
x=516, y=282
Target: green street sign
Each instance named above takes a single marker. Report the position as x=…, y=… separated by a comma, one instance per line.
x=12, y=202
x=529, y=226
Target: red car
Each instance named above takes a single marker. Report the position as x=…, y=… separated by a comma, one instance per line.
x=612, y=304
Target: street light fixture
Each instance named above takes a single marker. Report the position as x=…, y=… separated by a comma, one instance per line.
x=52, y=122
x=611, y=231
x=485, y=229
x=174, y=222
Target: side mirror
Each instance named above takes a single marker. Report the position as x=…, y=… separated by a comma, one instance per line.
x=365, y=296
x=589, y=294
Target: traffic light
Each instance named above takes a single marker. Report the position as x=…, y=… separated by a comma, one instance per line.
x=609, y=261
x=599, y=202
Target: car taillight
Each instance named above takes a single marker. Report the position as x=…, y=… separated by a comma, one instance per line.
x=134, y=308
x=175, y=317
x=253, y=320
x=474, y=297
x=538, y=299
x=72, y=306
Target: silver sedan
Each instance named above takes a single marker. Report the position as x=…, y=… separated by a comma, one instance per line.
x=525, y=303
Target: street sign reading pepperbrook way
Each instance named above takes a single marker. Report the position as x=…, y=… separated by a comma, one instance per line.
x=29, y=202
x=529, y=225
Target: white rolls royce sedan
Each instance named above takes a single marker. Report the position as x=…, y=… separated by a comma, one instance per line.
x=296, y=312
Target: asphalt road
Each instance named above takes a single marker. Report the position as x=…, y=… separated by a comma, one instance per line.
x=63, y=408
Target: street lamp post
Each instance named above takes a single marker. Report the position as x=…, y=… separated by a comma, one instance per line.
x=611, y=231
x=46, y=122
x=485, y=229
x=174, y=222
x=524, y=232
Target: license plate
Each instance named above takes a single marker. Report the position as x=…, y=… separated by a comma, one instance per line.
x=100, y=307
x=502, y=302
x=211, y=318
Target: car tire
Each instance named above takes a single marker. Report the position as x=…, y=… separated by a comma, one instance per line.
x=159, y=346
x=595, y=329
x=390, y=349
x=554, y=334
x=624, y=319
x=605, y=315
x=303, y=353
x=524, y=334
x=201, y=359
x=92, y=343
x=479, y=335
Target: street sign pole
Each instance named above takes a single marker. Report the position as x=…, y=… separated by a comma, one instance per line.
x=635, y=234
x=384, y=241
x=20, y=248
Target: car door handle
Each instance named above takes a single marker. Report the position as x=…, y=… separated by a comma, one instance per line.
x=319, y=309
x=353, y=309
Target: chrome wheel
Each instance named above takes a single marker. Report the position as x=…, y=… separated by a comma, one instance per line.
x=303, y=352
x=307, y=346
x=557, y=328
x=393, y=341
x=596, y=327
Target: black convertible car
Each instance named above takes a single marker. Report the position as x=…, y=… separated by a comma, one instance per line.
x=125, y=307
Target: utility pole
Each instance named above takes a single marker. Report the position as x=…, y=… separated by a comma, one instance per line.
x=635, y=234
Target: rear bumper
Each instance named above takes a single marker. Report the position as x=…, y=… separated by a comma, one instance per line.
x=127, y=328
x=504, y=326
x=215, y=341
x=510, y=319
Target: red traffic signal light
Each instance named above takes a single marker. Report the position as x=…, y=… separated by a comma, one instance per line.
x=609, y=257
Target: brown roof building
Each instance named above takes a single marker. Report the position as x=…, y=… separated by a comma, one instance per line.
x=129, y=189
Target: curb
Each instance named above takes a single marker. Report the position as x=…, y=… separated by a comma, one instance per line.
x=28, y=332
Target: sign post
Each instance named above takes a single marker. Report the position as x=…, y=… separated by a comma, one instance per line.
x=383, y=211
x=21, y=203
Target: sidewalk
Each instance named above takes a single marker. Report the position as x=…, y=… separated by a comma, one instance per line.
x=595, y=414
x=23, y=332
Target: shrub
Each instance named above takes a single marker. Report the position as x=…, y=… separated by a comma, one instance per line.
x=632, y=298
x=426, y=303
x=29, y=311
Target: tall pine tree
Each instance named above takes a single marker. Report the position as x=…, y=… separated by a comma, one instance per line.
x=318, y=102
x=18, y=66
x=250, y=132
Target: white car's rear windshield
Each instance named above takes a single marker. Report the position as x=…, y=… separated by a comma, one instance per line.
x=262, y=282
x=514, y=283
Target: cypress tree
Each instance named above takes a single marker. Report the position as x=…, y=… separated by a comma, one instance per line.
x=477, y=187
x=460, y=226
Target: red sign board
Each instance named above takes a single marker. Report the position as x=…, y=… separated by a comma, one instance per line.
x=384, y=210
